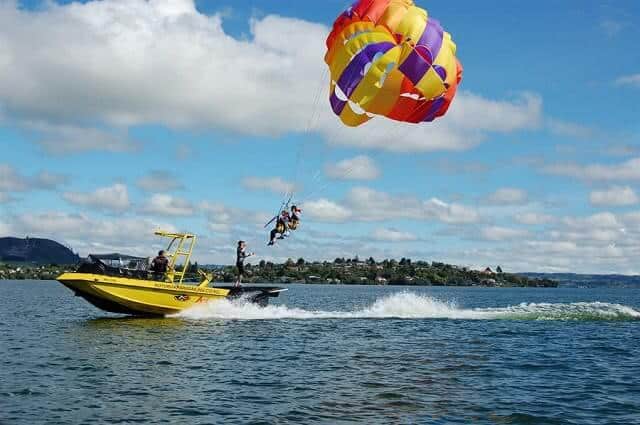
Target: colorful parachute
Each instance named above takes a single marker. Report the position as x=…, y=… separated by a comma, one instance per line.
x=388, y=57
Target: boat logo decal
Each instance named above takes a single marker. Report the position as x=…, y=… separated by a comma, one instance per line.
x=182, y=297
x=171, y=286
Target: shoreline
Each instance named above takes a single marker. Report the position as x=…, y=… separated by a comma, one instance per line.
x=345, y=272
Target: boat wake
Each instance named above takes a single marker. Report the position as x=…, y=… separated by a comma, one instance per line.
x=408, y=305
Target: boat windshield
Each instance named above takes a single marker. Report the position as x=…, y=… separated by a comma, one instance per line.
x=119, y=261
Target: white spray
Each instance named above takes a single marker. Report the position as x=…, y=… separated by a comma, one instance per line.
x=407, y=305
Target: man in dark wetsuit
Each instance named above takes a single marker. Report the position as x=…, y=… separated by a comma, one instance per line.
x=159, y=266
x=241, y=254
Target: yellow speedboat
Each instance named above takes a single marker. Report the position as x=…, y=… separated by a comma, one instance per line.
x=123, y=284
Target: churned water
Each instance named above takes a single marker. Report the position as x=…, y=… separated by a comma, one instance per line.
x=326, y=354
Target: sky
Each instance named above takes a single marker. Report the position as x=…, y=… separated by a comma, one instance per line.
x=120, y=117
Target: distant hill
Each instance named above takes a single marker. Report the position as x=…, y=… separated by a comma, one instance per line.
x=575, y=279
x=35, y=250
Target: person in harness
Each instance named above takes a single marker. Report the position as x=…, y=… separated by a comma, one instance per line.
x=282, y=223
x=294, y=220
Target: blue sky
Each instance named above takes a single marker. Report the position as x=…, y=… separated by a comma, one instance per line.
x=118, y=117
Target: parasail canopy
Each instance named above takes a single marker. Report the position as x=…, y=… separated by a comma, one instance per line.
x=390, y=58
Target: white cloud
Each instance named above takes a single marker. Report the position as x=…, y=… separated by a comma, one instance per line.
x=593, y=230
x=13, y=181
x=392, y=235
x=364, y=204
x=632, y=80
x=271, y=184
x=121, y=63
x=327, y=211
x=598, y=228
x=533, y=218
x=167, y=205
x=159, y=181
x=473, y=112
x=88, y=234
x=508, y=196
x=450, y=213
x=457, y=167
x=615, y=196
x=622, y=150
x=62, y=139
x=612, y=27
x=628, y=170
x=593, y=244
x=10, y=180
x=600, y=243
x=499, y=233
x=466, y=124
x=220, y=217
x=372, y=205
x=632, y=219
x=48, y=181
x=358, y=168
x=114, y=198
x=225, y=219
x=5, y=229
x=564, y=128
x=604, y=220
x=124, y=51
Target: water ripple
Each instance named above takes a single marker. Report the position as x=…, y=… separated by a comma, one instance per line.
x=326, y=355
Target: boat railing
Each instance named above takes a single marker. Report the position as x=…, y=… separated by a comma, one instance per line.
x=179, y=251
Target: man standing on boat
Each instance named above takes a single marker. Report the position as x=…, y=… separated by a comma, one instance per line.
x=159, y=266
x=241, y=254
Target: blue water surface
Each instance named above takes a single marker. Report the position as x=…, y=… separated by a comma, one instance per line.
x=326, y=354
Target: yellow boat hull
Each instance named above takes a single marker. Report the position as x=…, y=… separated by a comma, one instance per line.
x=138, y=296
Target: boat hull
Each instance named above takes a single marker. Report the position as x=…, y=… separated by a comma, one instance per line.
x=152, y=298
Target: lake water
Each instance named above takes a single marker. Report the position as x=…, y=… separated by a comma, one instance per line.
x=326, y=354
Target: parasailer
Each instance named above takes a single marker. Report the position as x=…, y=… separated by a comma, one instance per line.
x=390, y=58
x=294, y=219
x=282, y=223
x=385, y=58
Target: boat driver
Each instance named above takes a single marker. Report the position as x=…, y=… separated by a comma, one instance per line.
x=159, y=266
